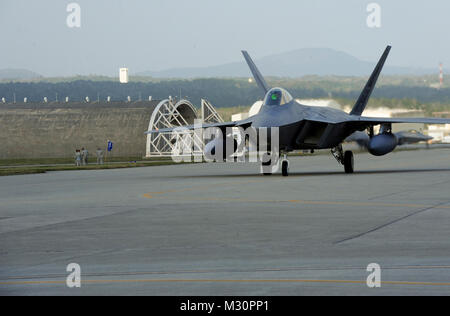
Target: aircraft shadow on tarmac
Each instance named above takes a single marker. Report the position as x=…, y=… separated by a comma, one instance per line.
x=318, y=173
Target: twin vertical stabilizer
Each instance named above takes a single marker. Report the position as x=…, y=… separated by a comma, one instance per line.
x=361, y=103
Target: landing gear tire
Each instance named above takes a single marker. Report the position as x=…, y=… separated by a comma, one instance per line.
x=285, y=168
x=349, y=162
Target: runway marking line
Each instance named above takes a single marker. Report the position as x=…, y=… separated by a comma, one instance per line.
x=224, y=281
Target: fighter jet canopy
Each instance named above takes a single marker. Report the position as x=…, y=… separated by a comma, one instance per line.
x=277, y=96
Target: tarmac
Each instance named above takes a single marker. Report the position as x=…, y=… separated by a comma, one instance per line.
x=224, y=229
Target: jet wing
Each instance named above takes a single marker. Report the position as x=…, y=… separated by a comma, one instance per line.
x=321, y=132
x=380, y=120
x=359, y=123
x=222, y=126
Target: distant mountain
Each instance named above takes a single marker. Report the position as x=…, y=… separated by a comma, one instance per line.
x=308, y=61
x=18, y=74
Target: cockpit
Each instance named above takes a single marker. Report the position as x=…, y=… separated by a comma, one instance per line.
x=277, y=96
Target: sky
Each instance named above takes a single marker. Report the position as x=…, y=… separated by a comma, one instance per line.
x=162, y=34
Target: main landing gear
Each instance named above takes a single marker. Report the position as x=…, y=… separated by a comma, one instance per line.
x=285, y=166
x=346, y=159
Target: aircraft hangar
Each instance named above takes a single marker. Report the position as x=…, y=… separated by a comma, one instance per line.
x=170, y=113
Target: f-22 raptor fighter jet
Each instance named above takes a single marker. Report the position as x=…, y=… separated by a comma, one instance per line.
x=304, y=127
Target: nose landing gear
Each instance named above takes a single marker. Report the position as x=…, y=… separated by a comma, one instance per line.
x=269, y=166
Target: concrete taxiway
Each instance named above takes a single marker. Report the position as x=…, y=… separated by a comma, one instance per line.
x=223, y=229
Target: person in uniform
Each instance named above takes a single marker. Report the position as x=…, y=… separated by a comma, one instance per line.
x=84, y=156
x=100, y=155
x=77, y=158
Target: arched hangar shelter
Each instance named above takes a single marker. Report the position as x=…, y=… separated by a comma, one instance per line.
x=169, y=113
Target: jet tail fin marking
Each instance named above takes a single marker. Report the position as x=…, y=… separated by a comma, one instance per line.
x=256, y=74
x=361, y=104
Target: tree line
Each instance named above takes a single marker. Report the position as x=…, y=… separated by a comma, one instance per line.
x=220, y=92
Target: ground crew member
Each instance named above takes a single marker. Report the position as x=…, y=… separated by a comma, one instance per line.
x=77, y=158
x=84, y=156
x=99, y=156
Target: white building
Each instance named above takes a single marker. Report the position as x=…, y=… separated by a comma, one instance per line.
x=123, y=75
x=440, y=133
